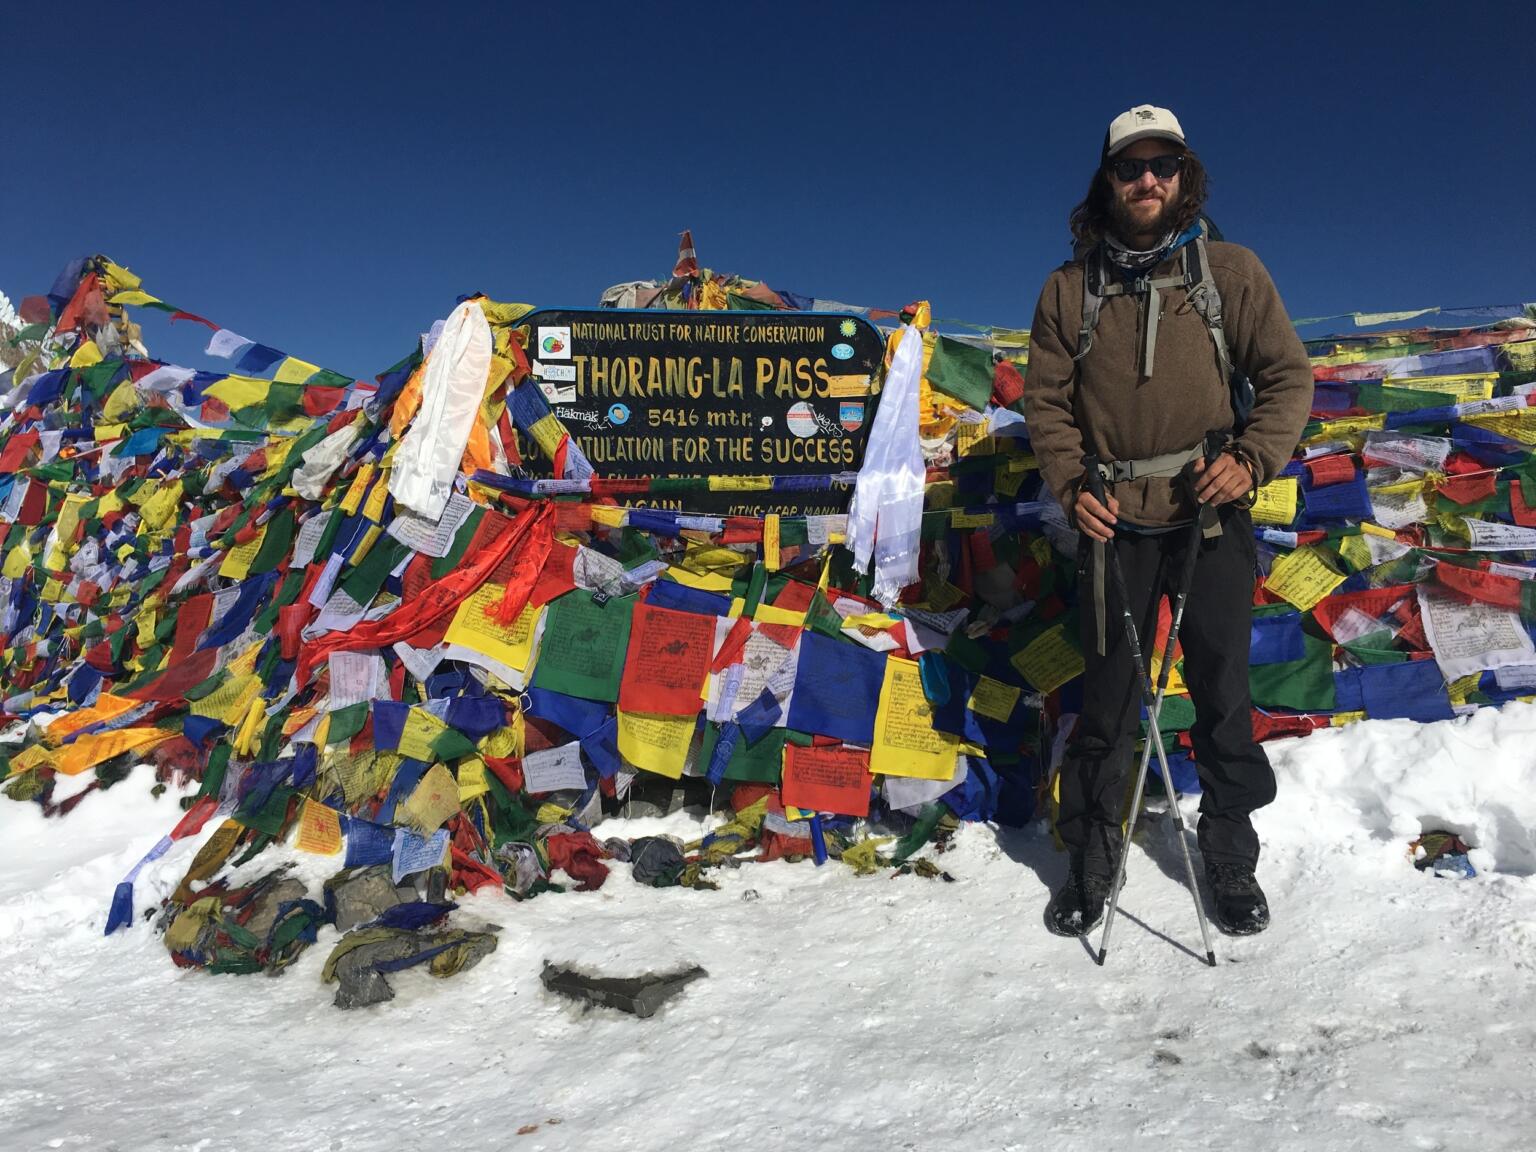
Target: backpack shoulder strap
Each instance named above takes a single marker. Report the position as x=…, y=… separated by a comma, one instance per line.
x=1206, y=299
x=1094, y=291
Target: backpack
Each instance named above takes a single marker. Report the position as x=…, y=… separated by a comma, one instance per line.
x=1204, y=296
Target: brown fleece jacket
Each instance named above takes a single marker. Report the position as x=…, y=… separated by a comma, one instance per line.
x=1104, y=407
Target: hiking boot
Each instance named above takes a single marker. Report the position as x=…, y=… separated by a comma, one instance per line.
x=1241, y=909
x=1078, y=905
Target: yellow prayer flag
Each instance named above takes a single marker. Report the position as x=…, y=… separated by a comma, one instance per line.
x=473, y=629
x=768, y=614
x=434, y=801
x=905, y=741
x=86, y=355
x=607, y=516
x=119, y=277
x=1355, y=552
x=319, y=829
x=1465, y=387
x=373, y=507
x=37, y=756
x=121, y=402
x=705, y=581
x=1462, y=687
x=245, y=739
x=506, y=741
x=771, y=542
x=472, y=780
x=92, y=749
x=1347, y=426
x=655, y=743
x=17, y=561
x=238, y=560
x=993, y=698
x=238, y=391
x=943, y=596
x=1049, y=660
x=133, y=296
x=369, y=538
x=107, y=707
x=959, y=518
x=353, y=500
x=547, y=432
x=973, y=440
x=1519, y=424
x=160, y=504
x=294, y=371
x=1276, y=502
x=1302, y=578
x=881, y=621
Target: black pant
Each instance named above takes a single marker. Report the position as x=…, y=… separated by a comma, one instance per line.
x=1235, y=776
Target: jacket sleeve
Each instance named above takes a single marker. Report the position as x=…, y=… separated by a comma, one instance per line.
x=1266, y=348
x=1050, y=386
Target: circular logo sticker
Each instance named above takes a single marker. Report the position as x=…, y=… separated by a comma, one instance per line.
x=619, y=414
x=849, y=329
x=551, y=345
x=843, y=351
x=801, y=419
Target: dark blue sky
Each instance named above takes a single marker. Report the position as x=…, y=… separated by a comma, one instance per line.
x=326, y=178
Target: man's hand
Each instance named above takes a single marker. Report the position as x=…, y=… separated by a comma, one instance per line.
x=1093, y=518
x=1223, y=480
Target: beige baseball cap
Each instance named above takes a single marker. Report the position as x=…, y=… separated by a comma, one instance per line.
x=1141, y=122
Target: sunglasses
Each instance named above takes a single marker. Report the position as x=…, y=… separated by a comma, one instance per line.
x=1163, y=167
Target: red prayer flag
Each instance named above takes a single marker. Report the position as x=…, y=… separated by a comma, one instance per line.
x=669, y=656
x=1522, y=513
x=1331, y=469
x=1007, y=384
x=827, y=779
x=687, y=259
x=1485, y=587
x=435, y=602
x=16, y=448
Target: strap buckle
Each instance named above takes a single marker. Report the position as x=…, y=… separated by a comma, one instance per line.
x=1117, y=471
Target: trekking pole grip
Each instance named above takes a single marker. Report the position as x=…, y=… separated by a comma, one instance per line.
x=1092, y=480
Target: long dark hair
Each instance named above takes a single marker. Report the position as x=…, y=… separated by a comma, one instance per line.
x=1090, y=219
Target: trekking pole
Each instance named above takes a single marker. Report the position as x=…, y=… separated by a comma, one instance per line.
x=1153, y=703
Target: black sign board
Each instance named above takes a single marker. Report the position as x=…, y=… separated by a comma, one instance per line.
x=716, y=393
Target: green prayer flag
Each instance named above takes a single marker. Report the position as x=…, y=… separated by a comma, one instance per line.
x=582, y=653
x=1305, y=685
x=363, y=582
x=276, y=543
x=760, y=763
x=347, y=722
x=961, y=371
x=270, y=817
x=461, y=542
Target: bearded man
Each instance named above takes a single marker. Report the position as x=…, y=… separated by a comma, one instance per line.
x=1153, y=336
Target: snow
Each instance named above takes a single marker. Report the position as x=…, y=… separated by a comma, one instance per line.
x=1385, y=1009
x=8, y=316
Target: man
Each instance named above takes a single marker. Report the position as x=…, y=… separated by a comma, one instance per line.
x=1139, y=386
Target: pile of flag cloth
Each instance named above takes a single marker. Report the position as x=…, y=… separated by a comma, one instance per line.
x=404, y=623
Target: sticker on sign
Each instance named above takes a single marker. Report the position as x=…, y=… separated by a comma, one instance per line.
x=565, y=373
x=554, y=343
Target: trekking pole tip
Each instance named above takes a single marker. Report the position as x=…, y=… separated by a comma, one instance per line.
x=1210, y=958
x=1100, y=959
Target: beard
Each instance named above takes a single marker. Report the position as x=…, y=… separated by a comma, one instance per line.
x=1127, y=227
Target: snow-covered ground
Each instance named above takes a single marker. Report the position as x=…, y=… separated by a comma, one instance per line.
x=1385, y=1009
